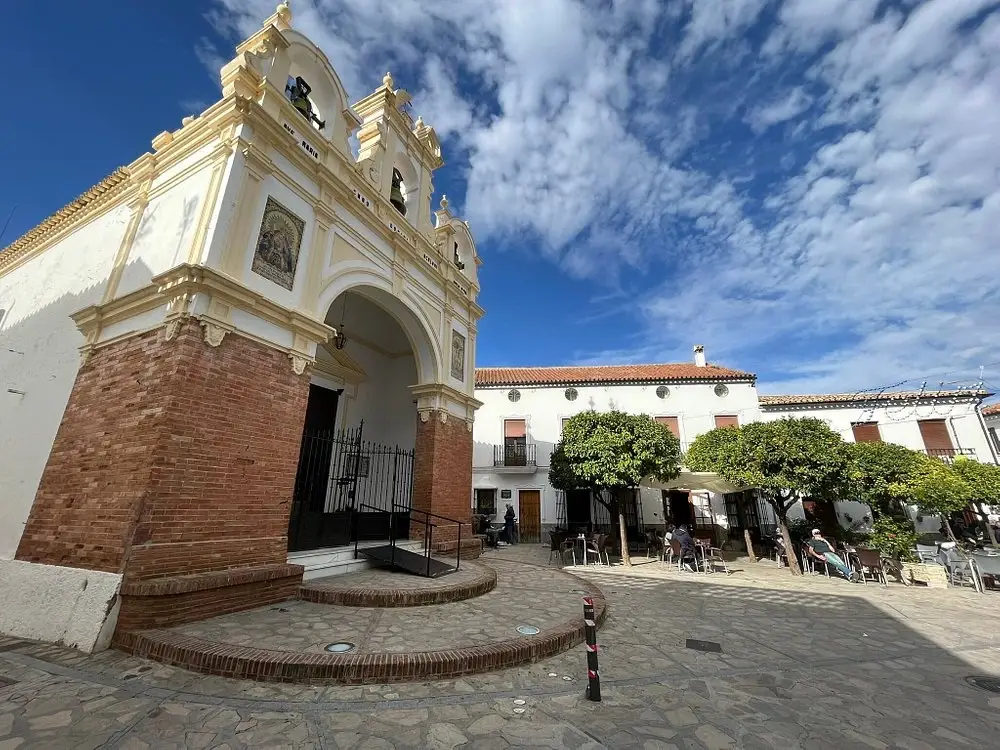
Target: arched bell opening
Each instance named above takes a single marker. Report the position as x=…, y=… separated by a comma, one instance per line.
x=355, y=475
x=404, y=188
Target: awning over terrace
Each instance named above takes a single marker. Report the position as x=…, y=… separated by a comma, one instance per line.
x=696, y=481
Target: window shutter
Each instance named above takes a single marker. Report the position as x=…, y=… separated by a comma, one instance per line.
x=727, y=420
x=672, y=423
x=866, y=432
x=514, y=428
x=935, y=434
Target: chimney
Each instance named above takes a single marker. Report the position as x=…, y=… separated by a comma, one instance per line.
x=699, y=356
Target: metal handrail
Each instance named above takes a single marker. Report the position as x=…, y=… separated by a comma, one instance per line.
x=429, y=533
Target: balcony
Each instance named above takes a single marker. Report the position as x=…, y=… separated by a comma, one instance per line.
x=514, y=457
x=949, y=454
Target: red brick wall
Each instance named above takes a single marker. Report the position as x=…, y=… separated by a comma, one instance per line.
x=442, y=475
x=172, y=458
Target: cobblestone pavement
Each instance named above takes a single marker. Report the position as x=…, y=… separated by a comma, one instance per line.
x=813, y=663
x=307, y=627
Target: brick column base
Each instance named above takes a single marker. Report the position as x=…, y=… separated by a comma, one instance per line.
x=173, y=467
x=442, y=481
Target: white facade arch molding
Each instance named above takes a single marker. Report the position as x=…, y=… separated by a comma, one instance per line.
x=378, y=287
x=329, y=97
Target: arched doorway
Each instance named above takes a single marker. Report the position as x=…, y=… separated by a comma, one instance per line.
x=355, y=472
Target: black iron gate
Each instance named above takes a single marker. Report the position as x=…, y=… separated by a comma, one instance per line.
x=339, y=473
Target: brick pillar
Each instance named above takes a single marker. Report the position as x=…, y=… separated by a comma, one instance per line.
x=442, y=478
x=174, y=466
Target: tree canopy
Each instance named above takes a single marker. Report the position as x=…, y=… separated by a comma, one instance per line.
x=983, y=479
x=880, y=475
x=613, y=450
x=787, y=459
x=935, y=487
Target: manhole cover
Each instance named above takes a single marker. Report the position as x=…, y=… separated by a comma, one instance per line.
x=527, y=630
x=710, y=646
x=992, y=684
x=339, y=648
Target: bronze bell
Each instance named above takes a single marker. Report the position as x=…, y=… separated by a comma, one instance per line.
x=396, y=193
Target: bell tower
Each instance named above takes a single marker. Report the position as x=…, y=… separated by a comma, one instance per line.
x=398, y=156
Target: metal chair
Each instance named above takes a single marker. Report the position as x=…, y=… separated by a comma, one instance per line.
x=712, y=555
x=556, y=541
x=809, y=562
x=960, y=569
x=593, y=547
x=654, y=543
x=928, y=553
x=988, y=567
x=870, y=560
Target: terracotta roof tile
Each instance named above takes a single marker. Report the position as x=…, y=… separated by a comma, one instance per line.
x=504, y=376
x=859, y=398
x=992, y=410
x=103, y=190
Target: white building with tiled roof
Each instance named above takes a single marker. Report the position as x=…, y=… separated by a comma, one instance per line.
x=524, y=409
x=991, y=418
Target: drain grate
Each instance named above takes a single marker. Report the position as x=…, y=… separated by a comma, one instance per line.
x=709, y=646
x=991, y=684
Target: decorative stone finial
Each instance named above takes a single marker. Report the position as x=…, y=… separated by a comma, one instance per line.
x=444, y=202
x=387, y=80
x=284, y=12
x=420, y=121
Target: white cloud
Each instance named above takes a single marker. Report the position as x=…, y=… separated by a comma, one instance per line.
x=863, y=252
x=788, y=107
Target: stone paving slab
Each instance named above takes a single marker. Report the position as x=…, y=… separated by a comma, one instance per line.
x=525, y=595
x=766, y=690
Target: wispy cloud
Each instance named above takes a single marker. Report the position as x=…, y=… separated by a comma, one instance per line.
x=633, y=142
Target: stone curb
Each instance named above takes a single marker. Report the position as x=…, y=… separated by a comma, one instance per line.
x=483, y=583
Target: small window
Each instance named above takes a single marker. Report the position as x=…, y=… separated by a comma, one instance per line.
x=662, y=392
x=571, y=394
x=721, y=390
x=866, y=432
x=727, y=420
x=486, y=502
x=672, y=424
x=513, y=395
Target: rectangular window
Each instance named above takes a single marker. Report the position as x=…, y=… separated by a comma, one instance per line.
x=727, y=420
x=515, y=442
x=672, y=423
x=937, y=439
x=866, y=432
x=486, y=502
x=564, y=421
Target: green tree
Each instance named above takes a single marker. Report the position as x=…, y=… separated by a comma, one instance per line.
x=787, y=460
x=984, y=485
x=613, y=452
x=880, y=474
x=936, y=487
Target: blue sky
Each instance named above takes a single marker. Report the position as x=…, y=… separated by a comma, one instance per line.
x=809, y=188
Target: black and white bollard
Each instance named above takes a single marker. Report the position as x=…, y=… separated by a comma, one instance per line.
x=590, y=632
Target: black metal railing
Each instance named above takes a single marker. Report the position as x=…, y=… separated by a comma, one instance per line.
x=514, y=454
x=428, y=525
x=950, y=454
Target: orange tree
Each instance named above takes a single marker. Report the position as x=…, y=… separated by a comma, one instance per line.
x=612, y=452
x=787, y=460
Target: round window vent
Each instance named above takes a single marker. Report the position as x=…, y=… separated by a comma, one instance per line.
x=721, y=390
x=514, y=395
x=571, y=394
x=662, y=392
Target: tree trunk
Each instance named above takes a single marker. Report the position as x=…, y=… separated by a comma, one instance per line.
x=746, y=538
x=947, y=527
x=626, y=560
x=793, y=555
x=986, y=522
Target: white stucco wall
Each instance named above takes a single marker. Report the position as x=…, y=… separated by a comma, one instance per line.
x=543, y=409
x=71, y=606
x=39, y=296
x=992, y=424
x=898, y=423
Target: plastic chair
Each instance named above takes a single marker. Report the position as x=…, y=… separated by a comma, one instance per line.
x=809, y=562
x=988, y=566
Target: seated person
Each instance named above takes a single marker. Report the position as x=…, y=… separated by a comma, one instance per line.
x=683, y=538
x=822, y=550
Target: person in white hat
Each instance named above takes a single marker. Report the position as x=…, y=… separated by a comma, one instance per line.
x=822, y=550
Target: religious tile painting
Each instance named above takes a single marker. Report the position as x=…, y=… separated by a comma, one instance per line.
x=278, y=244
x=457, y=356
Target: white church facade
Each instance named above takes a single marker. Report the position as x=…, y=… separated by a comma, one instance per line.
x=195, y=345
x=524, y=409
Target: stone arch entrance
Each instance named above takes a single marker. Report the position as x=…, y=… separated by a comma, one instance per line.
x=355, y=473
